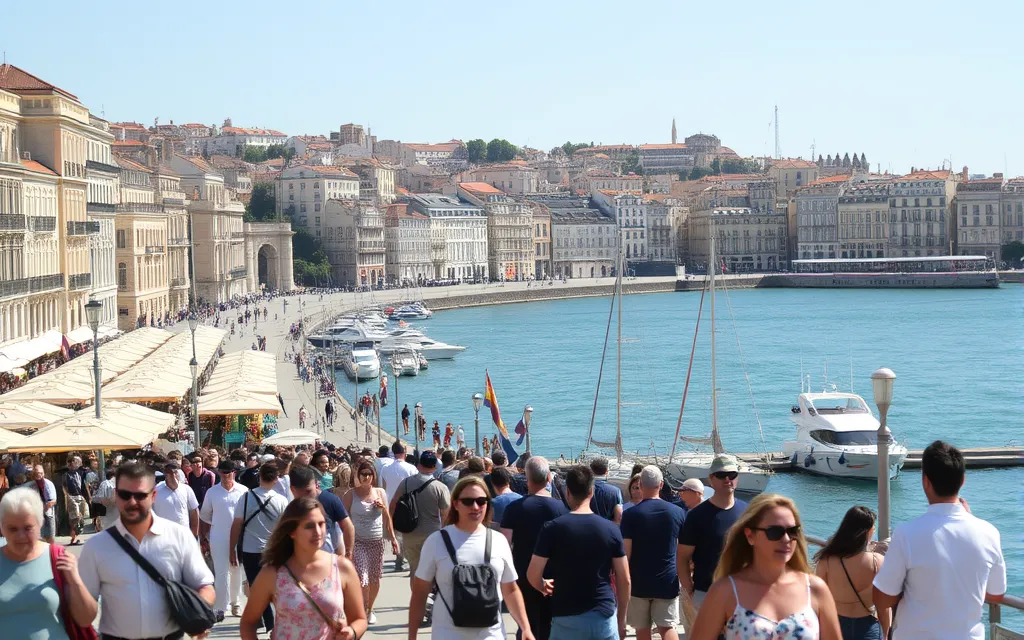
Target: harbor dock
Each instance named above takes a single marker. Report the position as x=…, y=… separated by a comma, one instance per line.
x=975, y=458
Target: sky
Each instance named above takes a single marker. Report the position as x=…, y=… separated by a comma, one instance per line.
x=910, y=84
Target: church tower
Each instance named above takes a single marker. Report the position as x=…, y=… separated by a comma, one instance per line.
x=673, y=130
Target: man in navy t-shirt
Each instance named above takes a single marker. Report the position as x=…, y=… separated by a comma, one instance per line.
x=706, y=527
x=521, y=524
x=650, y=530
x=582, y=548
x=305, y=485
x=607, y=501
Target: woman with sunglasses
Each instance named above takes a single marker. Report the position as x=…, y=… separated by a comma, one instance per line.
x=848, y=567
x=636, y=494
x=763, y=585
x=367, y=505
x=316, y=594
x=467, y=528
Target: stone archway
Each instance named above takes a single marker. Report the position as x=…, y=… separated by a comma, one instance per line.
x=268, y=253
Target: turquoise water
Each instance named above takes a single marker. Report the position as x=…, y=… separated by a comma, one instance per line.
x=958, y=357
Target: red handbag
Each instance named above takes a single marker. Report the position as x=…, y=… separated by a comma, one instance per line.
x=72, y=628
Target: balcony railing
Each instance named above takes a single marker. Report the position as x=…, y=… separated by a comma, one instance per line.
x=42, y=223
x=154, y=249
x=139, y=207
x=371, y=245
x=37, y=284
x=102, y=166
x=174, y=202
x=238, y=272
x=9, y=288
x=83, y=228
x=12, y=222
x=79, y=281
x=238, y=235
x=179, y=282
x=177, y=242
x=100, y=207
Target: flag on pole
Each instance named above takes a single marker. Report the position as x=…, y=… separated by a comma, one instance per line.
x=65, y=348
x=520, y=431
x=491, y=402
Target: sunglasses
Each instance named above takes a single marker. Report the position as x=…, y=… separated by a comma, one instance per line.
x=724, y=475
x=365, y=475
x=774, y=532
x=469, y=502
x=126, y=495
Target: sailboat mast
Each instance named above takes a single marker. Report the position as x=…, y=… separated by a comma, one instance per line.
x=715, y=439
x=618, y=361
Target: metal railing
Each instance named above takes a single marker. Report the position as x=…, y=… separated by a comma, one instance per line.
x=177, y=242
x=100, y=207
x=46, y=283
x=238, y=235
x=42, y=223
x=238, y=272
x=12, y=222
x=83, y=228
x=176, y=202
x=371, y=245
x=102, y=166
x=139, y=207
x=10, y=288
x=154, y=249
x=179, y=282
x=79, y=281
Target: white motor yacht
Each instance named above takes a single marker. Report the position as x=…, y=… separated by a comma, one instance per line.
x=356, y=332
x=837, y=435
x=405, y=362
x=361, y=362
x=751, y=480
x=427, y=347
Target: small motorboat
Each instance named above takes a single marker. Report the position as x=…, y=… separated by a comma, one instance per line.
x=361, y=362
x=405, y=362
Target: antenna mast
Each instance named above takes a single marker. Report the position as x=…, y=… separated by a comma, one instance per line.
x=778, y=150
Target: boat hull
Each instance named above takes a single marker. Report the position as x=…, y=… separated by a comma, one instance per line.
x=852, y=462
x=366, y=371
x=965, y=280
x=751, y=480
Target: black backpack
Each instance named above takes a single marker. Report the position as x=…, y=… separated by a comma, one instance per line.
x=407, y=514
x=475, y=600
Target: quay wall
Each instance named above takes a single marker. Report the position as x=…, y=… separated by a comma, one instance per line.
x=541, y=292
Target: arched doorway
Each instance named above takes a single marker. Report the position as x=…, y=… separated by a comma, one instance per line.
x=266, y=259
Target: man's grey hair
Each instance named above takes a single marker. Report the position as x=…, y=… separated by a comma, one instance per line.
x=537, y=470
x=650, y=477
x=20, y=501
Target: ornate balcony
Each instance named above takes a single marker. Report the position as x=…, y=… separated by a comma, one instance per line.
x=367, y=246
x=179, y=282
x=10, y=288
x=154, y=249
x=102, y=166
x=100, y=207
x=79, y=281
x=83, y=228
x=12, y=222
x=42, y=223
x=177, y=242
x=139, y=207
x=174, y=202
x=38, y=284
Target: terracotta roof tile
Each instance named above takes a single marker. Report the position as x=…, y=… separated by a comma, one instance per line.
x=927, y=175
x=125, y=163
x=14, y=79
x=127, y=143
x=32, y=165
x=644, y=147
x=443, y=147
x=793, y=163
x=842, y=177
x=480, y=187
x=251, y=132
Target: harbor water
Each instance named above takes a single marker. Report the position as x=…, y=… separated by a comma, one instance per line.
x=958, y=356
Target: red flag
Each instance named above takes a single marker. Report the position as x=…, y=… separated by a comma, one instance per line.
x=65, y=348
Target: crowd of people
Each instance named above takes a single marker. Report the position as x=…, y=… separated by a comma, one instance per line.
x=563, y=553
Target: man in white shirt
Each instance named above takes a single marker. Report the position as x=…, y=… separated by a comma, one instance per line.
x=217, y=514
x=942, y=566
x=105, y=496
x=381, y=462
x=176, y=501
x=391, y=476
x=132, y=605
x=48, y=493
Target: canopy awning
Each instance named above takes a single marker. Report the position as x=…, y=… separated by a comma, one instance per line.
x=165, y=376
x=121, y=426
x=243, y=376
x=30, y=414
x=8, y=364
x=9, y=438
x=59, y=390
x=292, y=437
x=238, y=402
x=29, y=350
x=84, y=334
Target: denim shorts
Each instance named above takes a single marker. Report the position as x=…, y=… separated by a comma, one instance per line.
x=585, y=626
x=864, y=628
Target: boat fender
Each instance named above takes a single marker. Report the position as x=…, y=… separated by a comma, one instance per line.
x=809, y=461
x=842, y=458
x=795, y=460
x=829, y=463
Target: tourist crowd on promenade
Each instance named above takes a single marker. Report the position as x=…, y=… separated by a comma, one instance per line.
x=565, y=554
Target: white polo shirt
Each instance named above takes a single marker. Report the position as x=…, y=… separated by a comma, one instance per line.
x=393, y=474
x=175, y=505
x=218, y=509
x=943, y=562
x=133, y=606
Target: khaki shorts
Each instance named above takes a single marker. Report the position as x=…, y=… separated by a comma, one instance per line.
x=411, y=548
x=78, y=508
x=691, y=605
x=659, y=612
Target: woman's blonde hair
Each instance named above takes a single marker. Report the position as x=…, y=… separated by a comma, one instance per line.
x=462, y=485
x=738, y=554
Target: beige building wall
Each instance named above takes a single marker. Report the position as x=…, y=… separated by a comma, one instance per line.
x=142, y=233
x=745, y=240
x=864, y=222
x=541, y=242
x=353, y=238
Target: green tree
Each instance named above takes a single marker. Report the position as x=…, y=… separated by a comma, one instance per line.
x=694, y=174
x=276, y=151
x=570, y=148
x=740, y=165
x=254, y=154
x=477, y=149
x=500, y=150
x=1013, y=252
x=716, y=166
x=631, y=164
x=261, y=203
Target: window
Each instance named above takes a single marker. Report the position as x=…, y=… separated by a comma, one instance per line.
x=317, y=221
x=122, y=240
x=291, y=186
x=302, y=187
x=316, y=185
x=316, y=206
x=122, y=274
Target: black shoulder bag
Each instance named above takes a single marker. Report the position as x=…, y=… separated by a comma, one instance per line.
x=475, y=601
x=191, y=612
x=407, y=513
x=245, y=505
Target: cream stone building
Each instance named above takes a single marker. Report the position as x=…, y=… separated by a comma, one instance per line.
x=979, y=203
x=407, y=240
x=510, y=250
x=817, y=224
x=541, y=241
x=302, y=190
x=745, y=239
x=1013, y=210
x=170, y=194
x=584, y=243
x=790, y=174
x=604, y=181
x=376, y=179
x=458, y=236
x=863, y=212
x=353, y=238
x=920, y=214
x=101, y=198
x=221, y=267
x=516, y=178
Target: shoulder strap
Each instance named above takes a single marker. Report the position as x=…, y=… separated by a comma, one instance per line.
x=734, y=593
x=848, y=579
x=261, y=509
x=309, y=596
x=487, y=547
x=137, y=557
x=420, y=488
x=451, y=548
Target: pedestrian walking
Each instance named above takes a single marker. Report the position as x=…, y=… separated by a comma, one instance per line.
x=367, y=504
x=650, y=533
x=175, y=501
x=521, y=525
x=848, y=568
x=320, y=463
x=405, y=418
x=133, y=606
x=76, y=499
x=340, y=530
x=105, y=495
x=582, y=549
x=201, y=479
x=763, y=584
x=316, y=594
x=704, y=531
x=217, y=515
x=465, y=540
x=448, y=433
x=500, y=481
x=376, y=407
x=48, y=494
x=254, y=521
x=460, y=437
x=41, y=591
x=329, y=412
x=250, y=477
x=941, y=566
x=93, y=477
x=436, y=432
x=607, y=501
x=691, y=494
x=302, y=417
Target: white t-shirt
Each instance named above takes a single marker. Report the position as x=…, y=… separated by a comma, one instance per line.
x=218, y=509
x=436, y=564
x=379, y=465
x=943, y=562
x=393, y=474
x=175, y=505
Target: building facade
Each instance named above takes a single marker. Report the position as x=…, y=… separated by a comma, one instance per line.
x=458, y=236
x=541, y=242
x=301, y=191
x=979, y=204
x=353, y=238
x=863, y=212
x=407, y=240
x=920, y=214
x=170, y=194
x=512, y=178
x=584, y=243
x=745, y=240
x=1013, y=211
x=510, y=252
x=232, y=141
x=817, y=221
x=790, y=174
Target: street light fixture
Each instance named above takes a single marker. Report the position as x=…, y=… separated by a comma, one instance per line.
x=478, y=401
x=193, y=366
x=527, y=416
x=417, y=416
x=881, y=383
x=93, y=308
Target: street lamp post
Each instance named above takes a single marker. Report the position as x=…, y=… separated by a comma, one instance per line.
x=394, y=372
x=527, y=416
x=881, y=383
x=193, y=324
x=417, y=414
x=92, y=316
x=478, y=401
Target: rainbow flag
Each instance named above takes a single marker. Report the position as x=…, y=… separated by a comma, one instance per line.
x=491, y=402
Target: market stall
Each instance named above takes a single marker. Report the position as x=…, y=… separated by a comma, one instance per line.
x=121, y=426
x=29, y=414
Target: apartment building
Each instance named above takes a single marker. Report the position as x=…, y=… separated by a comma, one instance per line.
x=510, y=252
x=353, y=238
x=301, y=191
x=920, y=214
x=407, y=242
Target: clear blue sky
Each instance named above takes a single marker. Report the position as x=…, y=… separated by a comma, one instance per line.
x=908, y=83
